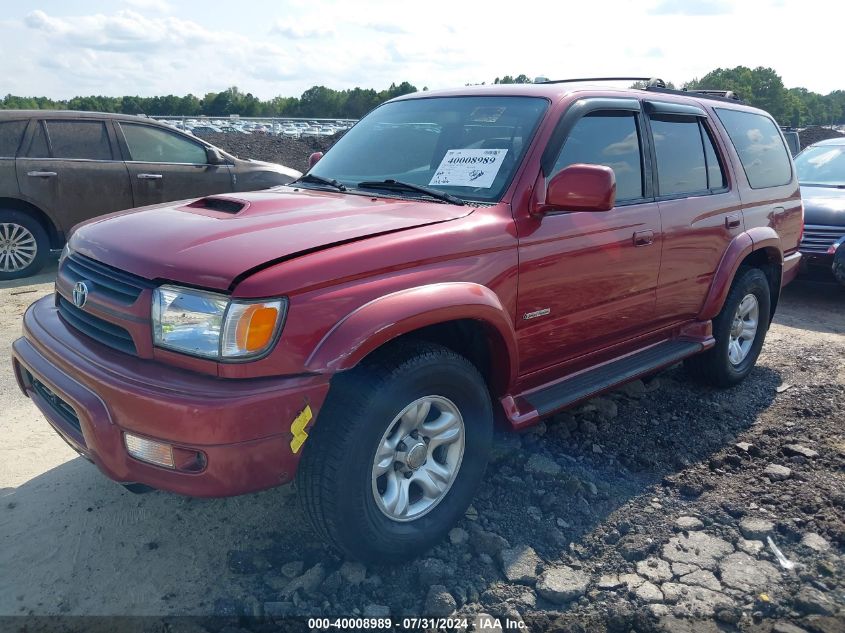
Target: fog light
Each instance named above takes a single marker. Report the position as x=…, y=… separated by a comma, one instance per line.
x=149, y=451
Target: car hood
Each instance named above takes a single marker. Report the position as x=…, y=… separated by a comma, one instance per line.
x=214, y=241
x=823, y=205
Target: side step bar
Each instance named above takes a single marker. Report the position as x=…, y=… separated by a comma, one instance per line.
x=604, y=377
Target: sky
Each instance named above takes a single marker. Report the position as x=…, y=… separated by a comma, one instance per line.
x=65, y=48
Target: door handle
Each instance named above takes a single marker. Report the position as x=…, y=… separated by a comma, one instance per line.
x=150, y=176
x=643, y=238
x=732, y=221
x=41, y=174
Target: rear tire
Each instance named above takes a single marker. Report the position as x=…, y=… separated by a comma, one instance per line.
x=24, y=245
x=340, y=489
x=747, y=307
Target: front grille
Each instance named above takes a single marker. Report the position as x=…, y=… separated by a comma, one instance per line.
x=109, y=282
x=59, y=406
x=817, y=238
x=101, y=331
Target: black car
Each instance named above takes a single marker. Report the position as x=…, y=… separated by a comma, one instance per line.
x=821, y=172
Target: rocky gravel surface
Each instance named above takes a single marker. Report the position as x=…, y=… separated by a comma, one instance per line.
x=664, y=506
x=290, y=152
x=817, y=133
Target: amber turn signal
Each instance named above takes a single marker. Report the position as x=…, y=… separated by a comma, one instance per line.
x=251, y=328
x=255, y=327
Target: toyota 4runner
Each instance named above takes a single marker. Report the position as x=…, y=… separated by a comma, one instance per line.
x=457, y=258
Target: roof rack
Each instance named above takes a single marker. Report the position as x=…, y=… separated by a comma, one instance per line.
x=649, y=80
x=726, y=94
x=653, y=84
x=718, y=95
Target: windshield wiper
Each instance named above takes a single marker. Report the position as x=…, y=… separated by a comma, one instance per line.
x=331, y=182
x=398, y=185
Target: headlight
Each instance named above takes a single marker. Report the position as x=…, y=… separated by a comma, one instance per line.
x=211, y=325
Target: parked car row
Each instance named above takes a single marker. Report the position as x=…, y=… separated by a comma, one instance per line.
x=58, y=169
x=293, y=128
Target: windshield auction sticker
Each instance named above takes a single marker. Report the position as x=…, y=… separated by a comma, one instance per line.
x=469, y=168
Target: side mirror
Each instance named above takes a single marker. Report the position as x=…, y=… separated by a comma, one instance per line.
x=581, y=187
x=213, y=156
x=314, y=159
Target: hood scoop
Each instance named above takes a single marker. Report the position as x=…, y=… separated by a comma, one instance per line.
x=218, y=203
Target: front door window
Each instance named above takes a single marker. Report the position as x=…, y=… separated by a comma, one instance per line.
x=148, y=144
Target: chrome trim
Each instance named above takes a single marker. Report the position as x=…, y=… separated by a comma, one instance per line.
x=148, y=162
x=74, y=160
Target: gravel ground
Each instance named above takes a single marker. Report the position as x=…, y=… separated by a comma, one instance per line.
x=657, y=507
x=290, y=152
x=817, y=133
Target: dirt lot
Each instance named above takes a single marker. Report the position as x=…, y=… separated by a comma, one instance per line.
x=815, y=134
x=648, y=509
x=290, y=152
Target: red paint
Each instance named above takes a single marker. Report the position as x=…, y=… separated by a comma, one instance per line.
x=580, y=188
x=244, y=429
x=359, y=271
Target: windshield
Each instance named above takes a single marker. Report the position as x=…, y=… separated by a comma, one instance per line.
x=823, y=165
x=469, y=147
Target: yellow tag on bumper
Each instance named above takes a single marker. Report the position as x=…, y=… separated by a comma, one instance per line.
x=298, y=429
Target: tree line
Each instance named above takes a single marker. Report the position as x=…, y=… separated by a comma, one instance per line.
x=760, y=87
x=317, y=101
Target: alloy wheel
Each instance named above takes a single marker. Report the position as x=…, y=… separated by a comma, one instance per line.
x=743, y=329
x=18, y=247
x=418, y=458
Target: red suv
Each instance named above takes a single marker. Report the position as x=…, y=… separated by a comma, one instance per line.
x=457, y=258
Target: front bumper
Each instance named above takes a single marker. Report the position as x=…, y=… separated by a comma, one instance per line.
x=811, y=259
x=92, y=395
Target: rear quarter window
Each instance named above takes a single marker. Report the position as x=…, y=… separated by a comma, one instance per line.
x=760, y=147
x=79, y=140
x=11, y=133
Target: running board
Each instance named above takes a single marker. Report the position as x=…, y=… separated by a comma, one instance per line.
x=604, y=377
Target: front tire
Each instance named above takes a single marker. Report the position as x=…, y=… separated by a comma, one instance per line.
x=24, y=245
x=739, y=329
x=397, y=453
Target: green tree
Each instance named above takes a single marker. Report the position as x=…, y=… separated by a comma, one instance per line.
x=761, y=87
x=318, y=101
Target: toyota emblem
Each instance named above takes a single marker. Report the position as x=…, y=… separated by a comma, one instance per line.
x=80, y=294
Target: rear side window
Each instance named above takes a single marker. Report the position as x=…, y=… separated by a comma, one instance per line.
x=607, y=138
x=148, y=144
x=79, y=139
x=686, y=159
x=760, y=147
x=11, y=133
